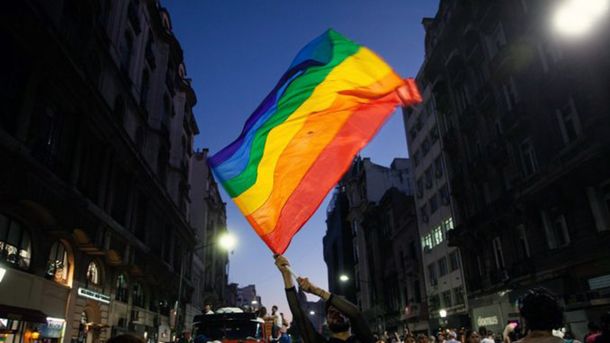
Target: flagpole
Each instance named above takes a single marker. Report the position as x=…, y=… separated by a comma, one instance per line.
x=288, y=267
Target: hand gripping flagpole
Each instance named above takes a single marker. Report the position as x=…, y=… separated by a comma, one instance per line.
x=288, y=268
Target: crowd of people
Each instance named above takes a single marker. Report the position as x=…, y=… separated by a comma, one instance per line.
x=542, y=321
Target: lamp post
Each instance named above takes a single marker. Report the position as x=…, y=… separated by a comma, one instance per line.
x=226, y=241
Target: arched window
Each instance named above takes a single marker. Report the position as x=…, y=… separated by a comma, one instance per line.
x=122, y=289
x=15, y=243
x=93, y=273
x=58, y=266
x=137, y=295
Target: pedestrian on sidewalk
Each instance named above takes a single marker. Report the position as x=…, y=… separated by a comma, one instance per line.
x=341, y=315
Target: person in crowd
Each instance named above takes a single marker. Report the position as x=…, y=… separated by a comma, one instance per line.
x=593, y=332
x=452, y=337
x=277, y=324
x=440, y=338
x=125, y=338
x=431, y=339
x=409, y=339
x=341, y=315
x=472, y=337
x=284, y=336
x=422, y=339
x=488, y=336
x=207, y=309
x=542, y=314
x=604, y=336
x=568, y=337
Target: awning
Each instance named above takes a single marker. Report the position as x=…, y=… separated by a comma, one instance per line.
x=20, y=313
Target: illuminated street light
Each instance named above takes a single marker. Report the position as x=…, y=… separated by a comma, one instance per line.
x=312, y=313
x=254, y=302
x=442, y=313
x=227, y=241
x=576, y=17
x=343, y=278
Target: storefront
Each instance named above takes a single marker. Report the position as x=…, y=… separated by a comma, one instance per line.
x=22, y=325
x=33, y=310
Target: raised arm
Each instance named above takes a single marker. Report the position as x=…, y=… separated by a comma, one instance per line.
x=306, y=329
x=359, y=326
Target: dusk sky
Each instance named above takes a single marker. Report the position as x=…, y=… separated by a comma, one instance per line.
x=236, y=51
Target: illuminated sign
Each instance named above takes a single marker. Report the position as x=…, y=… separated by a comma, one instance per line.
x=87, y=293
x=487, y=321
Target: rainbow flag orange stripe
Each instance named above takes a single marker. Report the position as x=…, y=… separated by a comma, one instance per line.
x=298, y=143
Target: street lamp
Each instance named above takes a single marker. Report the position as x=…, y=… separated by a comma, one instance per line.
x=312, y=313
x=343, y=278
x=442, y=313
x=227, y=241
x=575, y=18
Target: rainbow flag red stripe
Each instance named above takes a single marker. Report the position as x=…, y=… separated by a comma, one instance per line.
x=299, y=142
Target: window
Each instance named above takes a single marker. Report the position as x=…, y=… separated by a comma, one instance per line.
x=433, y=202
x=126, y=52
x=434, y=134
x=569, y=123
x=427, y=241
x=137, y=295
x=437, y=235
x=144, y=88
x=428, y=176
x=528, y=158
x=442, y=266
x=93, y=273
x=447, y=298
x=559, y=231
x=416, y=158
x=524, y=249
x=15, y=243
x=448, y=224
x=420, y=187
x=438, y=167
x=498, y=255
x=444, y=194
x=425, y=146
x=454, y=261
x=510, y=93
x=423, y=211
x=122, y=289
x=435, y=303
x=599, y=202
x=432, y=274
x=58, y=266
x=458, y=295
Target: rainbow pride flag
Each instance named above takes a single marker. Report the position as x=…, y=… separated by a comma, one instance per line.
x=303, y=137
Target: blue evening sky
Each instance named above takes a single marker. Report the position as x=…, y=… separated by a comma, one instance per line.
x=235, y=52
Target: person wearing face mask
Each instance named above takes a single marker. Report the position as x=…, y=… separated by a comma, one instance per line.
x=341, y=315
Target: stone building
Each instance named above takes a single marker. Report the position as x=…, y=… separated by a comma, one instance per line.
x=96, y=132
x=209, y=219
x=522, y=112
x=365, y=185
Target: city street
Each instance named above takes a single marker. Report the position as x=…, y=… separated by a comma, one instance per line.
x=279, y=171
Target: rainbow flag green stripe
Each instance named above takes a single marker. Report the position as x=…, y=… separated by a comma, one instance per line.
x=302, y=138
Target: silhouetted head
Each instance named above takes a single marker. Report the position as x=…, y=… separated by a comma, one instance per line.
x=337, y=322
x=541, y=310
x=125, y=338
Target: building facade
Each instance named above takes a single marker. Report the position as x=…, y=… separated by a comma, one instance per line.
x=248, y=299
x=523, y=119
x=365, y=184
x=338, y=247
x=443, y=273
x=96, y=132
x=209, y=219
